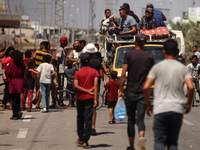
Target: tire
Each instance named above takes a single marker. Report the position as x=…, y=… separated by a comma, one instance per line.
x=101, y=102
x=65, y=98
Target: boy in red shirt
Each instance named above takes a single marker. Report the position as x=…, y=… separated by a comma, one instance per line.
x=86, y=85
x=112, y=97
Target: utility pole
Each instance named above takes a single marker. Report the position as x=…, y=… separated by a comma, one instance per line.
x=50, y=24
x=59, y=18
x=36, y=24
x=20, y=34
x=73, y=30
x=91, y=17
x=68, y=15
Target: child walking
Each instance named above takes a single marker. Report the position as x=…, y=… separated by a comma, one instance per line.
x=54, y=86
x=86, y=85
x=69, y=74
x=45, y=70
x=112, y=97
x=28, y=86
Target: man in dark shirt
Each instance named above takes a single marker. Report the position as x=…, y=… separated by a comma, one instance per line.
x=148, y=21
x=130, y=12
x=158, y=15
x=138, y=63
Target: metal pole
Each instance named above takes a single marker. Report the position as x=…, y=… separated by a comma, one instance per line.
x=88, y=30
x=50, y=23
x=73, y=31
x=62, y=18
x=36, y=25
x=68, y=15
x=20, y=40
x=54, y=32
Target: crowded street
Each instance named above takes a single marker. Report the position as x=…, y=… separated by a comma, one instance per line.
x=102, y=75
x=57, y=130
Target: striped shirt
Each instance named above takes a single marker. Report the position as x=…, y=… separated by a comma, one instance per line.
x=38, y=56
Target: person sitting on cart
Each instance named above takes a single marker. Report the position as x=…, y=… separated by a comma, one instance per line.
x=147, y=21
x=194, y=68
x=128, y=25
x=111, y=23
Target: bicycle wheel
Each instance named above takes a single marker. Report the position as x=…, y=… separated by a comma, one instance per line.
x=64, y=98
x=101, y=101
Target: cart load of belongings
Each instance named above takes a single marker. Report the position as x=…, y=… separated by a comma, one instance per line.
x=158, y=33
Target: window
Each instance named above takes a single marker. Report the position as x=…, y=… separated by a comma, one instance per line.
x=155, y=51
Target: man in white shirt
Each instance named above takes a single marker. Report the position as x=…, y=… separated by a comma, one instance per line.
x=170, y=102
x=74, y=55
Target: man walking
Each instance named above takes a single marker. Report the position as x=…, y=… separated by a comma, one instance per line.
x=60, y=58
x=170, y=102
x=138, y=63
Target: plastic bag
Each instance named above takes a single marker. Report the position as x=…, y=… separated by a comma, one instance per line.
x=120, y=110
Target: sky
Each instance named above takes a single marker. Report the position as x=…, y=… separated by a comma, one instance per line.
x=78, y=10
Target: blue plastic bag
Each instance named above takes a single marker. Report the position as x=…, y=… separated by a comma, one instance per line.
x=120, y=110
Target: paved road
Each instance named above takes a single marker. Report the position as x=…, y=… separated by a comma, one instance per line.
x=56, y=130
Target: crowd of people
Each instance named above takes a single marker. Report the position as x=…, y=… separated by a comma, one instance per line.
x=130, y=24
x=84, y=72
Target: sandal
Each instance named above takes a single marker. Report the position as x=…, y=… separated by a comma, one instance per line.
x=79, y=143
x=110, y=122
x=114, y=121
x=85, y=146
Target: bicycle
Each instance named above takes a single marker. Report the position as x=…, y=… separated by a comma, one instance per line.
x=65, y=97
x=101, y=101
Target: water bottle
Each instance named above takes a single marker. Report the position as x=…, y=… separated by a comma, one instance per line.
x=120, y=110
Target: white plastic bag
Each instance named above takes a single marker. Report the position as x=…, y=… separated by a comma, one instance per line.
x=120, y=110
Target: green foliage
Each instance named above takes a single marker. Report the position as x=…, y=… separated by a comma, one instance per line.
x=191, y=32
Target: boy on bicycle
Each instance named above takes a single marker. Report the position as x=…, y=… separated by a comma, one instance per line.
x=194, y=68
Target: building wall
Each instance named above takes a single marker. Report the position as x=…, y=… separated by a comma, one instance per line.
x=28, y=33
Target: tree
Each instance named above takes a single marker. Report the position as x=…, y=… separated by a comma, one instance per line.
x=191, y=32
